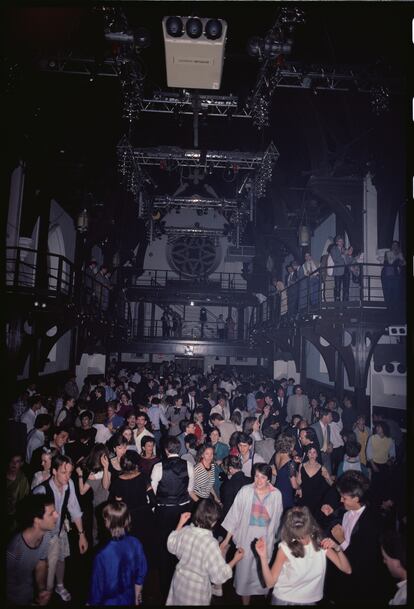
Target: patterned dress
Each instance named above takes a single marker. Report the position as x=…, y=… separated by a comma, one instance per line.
x=200, y=564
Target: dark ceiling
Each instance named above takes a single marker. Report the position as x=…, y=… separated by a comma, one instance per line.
x=67, y=127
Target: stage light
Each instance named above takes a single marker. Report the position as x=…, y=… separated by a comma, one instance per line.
x=192, y=303
x=213, y=29
x=174, y=27
x=142, y=38
x=389, y=367
x=194, y=27
x=255, y=46
x=401, y=369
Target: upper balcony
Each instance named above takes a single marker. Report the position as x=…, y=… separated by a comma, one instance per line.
x=361, y=298
x=166, y=286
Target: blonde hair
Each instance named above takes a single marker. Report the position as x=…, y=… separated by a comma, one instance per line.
x=298, y=523
x=117, y=518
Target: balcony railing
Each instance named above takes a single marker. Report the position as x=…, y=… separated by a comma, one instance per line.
x=166, y=278
x=187, y=330
x=23, y=276
x=362, y=287
x=22, y=272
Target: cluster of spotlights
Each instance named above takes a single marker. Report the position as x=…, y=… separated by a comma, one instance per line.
x=39, y=305
x=194, y=28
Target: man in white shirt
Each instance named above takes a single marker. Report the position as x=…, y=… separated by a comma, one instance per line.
x=141, y=430
x=36, y=437
x=222, y=408
x=247, y=455
x=29, y=417
x=172, y=482
x=336, y=441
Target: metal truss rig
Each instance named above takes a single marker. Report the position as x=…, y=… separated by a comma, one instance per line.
x=199, y=202
x=211, y=159
x=290, y=75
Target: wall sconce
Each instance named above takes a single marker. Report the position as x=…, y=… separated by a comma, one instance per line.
x=304, y=235
x=82, y=222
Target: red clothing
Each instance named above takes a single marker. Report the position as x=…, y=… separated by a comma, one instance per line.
x=198, y=432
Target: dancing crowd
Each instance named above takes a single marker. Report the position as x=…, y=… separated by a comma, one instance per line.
x=155, y=479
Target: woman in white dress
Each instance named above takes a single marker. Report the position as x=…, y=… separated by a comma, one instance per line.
x=201, y=563
x=298, y=573
x=255, y=513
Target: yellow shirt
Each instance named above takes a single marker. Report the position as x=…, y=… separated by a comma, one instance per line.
x=362, y=437
x=380, y=448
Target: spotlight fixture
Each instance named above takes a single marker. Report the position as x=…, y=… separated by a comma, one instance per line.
x=174, y=27
x=192, y=303
x=194, y=27
x=214, y=29
x=142, y=38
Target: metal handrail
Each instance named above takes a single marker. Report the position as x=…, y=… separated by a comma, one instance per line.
x=316, y=292
x=21, y=274
x=188, y=330
x=161, y=278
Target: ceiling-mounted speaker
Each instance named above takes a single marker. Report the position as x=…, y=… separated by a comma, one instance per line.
x=397, y=330
x=194, y=51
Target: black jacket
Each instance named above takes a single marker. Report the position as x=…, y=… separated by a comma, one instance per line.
x=230, y=488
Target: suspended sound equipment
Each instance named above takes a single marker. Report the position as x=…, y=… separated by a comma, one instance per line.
x=194, y=51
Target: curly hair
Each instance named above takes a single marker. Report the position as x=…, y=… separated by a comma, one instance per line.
x=298, y=522
x=284, y=444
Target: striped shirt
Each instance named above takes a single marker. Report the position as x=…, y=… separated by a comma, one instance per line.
x=203, y=480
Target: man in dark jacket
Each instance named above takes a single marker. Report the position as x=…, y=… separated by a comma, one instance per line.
x=358, y=534
x=233, y=483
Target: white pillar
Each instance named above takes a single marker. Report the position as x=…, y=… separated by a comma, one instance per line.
x=15, y=205
x=370, y=220
x=371, y=253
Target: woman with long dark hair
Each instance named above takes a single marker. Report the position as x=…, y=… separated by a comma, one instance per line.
x=313, y=480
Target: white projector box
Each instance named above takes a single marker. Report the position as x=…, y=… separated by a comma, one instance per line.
x=194, y=63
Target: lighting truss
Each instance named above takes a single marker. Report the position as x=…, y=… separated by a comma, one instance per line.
x=198, y=202
x=212, y=105
x=214, y=159
x=193, y=231
x=289, y=75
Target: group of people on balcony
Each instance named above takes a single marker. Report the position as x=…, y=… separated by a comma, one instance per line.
x=338, y=277
x=192, y=476
x=171, y=323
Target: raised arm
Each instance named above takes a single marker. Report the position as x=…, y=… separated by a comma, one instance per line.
x=270, y=575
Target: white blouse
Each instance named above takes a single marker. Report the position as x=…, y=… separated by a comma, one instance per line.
x=301, y=579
